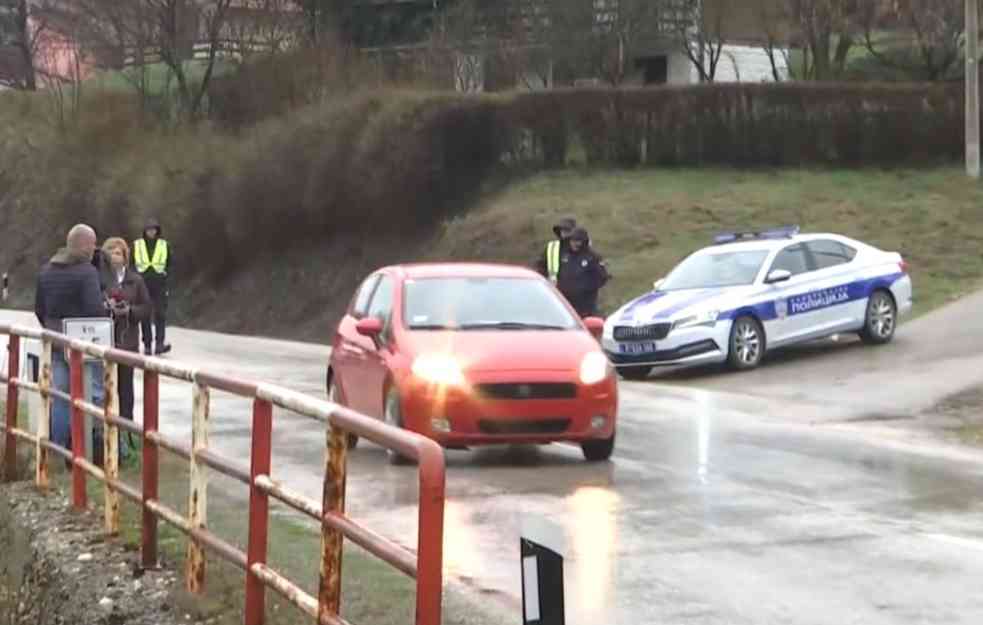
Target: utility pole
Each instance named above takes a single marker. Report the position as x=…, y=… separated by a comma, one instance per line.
x=972, y=89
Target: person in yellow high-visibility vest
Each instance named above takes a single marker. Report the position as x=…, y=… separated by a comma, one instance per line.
x=152, y=258
x=548, y=263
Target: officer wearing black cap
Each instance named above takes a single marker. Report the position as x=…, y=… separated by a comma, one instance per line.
x=549, y=263
x=582, y=273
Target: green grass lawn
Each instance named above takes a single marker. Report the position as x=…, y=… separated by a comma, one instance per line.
x=158, y=76
x=645, y=221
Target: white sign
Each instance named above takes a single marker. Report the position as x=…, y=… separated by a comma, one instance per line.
x=530, y=582
x=98, y=330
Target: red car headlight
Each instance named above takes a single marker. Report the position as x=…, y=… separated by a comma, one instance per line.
x=440, y=369
x=594, y=368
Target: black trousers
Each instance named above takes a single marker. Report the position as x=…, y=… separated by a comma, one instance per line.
x=156, y=326
x=125, y=382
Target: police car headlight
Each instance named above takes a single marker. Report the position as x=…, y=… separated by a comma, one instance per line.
x=594, y=368
x=608, y=330
x=706, y=318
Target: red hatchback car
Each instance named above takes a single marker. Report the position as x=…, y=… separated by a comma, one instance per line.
x=474, y=354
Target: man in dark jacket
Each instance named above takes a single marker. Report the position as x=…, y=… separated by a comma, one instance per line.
x=548, y=262
x=68, y=287
x=153, y=259
x=582, y=274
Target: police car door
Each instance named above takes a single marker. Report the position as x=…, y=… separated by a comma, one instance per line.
x=789, y=321
x=834, y=300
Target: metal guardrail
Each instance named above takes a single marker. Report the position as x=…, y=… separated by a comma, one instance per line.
x=425, y=565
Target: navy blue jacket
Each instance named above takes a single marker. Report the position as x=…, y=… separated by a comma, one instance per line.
x=67, y=287
x=582, y=274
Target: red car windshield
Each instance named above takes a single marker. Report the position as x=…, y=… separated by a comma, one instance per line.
x=457, y=303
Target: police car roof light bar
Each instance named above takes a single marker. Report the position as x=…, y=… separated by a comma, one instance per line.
x=784, y=232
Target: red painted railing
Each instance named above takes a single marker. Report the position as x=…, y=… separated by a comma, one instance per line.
x=425, y=566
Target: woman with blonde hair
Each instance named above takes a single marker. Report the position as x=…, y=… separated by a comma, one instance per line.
x=129, y=301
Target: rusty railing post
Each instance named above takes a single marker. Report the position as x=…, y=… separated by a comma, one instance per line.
x=197, y=501
x=333, y=501
x=13, y=372
x=110, y=446
x=430, y=547
x=259, y=511
x=78, y=427
x=44, y=419
x=150, y=469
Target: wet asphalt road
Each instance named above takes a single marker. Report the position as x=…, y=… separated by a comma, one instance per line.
x=731, y=499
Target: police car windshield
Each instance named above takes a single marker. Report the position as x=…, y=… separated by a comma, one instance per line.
x=459, y=303
x=710, y=271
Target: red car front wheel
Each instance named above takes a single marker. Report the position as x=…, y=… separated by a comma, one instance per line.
x=598, y=450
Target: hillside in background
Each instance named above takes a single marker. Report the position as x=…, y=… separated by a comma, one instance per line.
x=275, y=222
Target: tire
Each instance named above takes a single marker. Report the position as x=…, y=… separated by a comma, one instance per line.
x=637, y=372
x=598, y=450
x=746, y=345
x=393, y=416
x=881, y=319
x=335, y=396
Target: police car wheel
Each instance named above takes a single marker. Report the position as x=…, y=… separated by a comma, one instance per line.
x=881, y=319
x=747, y=344
x=334, y=396
x=394, y=417
x=598, y=450
x=639, y=372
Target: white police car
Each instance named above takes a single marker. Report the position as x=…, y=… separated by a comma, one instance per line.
x=753, y=291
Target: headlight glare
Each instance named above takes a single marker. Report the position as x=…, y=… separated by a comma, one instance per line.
x=594, y=368
x=439, y=369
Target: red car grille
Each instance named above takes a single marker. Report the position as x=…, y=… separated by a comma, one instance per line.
x=537, y=426
x=519, y=391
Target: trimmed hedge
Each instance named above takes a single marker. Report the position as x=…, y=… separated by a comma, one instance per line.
x=787, y=124
x=739, y=124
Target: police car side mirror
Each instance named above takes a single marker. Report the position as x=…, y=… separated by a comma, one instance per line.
x=778, y=275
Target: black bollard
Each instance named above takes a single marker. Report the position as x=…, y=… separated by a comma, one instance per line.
x=542, y=584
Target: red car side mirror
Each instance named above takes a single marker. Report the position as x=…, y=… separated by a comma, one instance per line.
x=595, y=325
x=370, y=326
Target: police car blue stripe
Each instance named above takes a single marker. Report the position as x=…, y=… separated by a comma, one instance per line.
x=811, y=301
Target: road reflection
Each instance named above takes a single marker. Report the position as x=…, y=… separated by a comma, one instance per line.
x=593, y=534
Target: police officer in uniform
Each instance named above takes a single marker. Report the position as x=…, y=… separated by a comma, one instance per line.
x=582, y=273
x=548, y=264
x=152, y=259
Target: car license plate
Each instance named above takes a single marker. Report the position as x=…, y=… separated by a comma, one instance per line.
x=638, y=348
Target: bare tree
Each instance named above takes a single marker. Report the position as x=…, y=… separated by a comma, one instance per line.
x=923, y=39
x=264, y=26
x=600, y=37
x=180, y=25
x=828, y=30
x=700, y=34
x=25, y=33
x=186, y=36
x=59, y=59
x=772, y=18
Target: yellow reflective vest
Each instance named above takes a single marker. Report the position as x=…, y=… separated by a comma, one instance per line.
x=143, y=261
x=553, y=260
